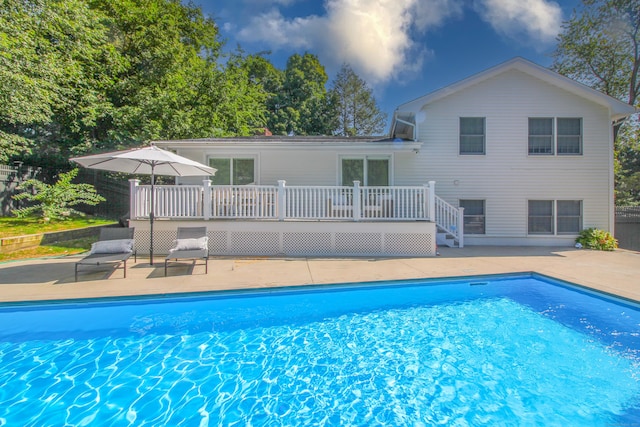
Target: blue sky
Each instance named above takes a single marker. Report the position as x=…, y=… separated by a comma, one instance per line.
x=402, y=48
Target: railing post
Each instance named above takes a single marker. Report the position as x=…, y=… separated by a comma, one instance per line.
x=206, y=199
x=281, y=199
x=432, y=201
x=133, y=190
x=461, y=227
x=357, y=197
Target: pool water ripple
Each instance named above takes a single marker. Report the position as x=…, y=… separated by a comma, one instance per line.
x=486, y=360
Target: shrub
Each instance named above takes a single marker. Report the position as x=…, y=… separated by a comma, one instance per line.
x=56, y=201
x=593, y=238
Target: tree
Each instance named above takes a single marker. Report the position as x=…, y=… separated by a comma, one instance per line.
x=300, y=105
x=627, y=166
x=93, y=75
x=56, y=201
x=357, y=110
x=53, y=69
x=600, y=46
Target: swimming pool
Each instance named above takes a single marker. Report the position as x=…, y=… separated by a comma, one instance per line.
x=501, y=350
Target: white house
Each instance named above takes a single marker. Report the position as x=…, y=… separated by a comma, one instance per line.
x=526, y=152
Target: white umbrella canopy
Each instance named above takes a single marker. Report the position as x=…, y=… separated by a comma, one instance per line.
x=149, y=160
x=146, y=161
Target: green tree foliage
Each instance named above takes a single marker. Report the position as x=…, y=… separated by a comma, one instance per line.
x=81, y=76
x=90, y=75
x=300, y=104
x=54, y=69
x=600, y=46
x=627, y=167
x=358, y=112
x=56, y=201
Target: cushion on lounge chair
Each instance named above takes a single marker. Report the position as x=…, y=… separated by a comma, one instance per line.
x=112, y=246
x=190, y=244
x=115, y=247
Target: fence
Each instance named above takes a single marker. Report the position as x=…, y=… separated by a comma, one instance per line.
x=628, y=227
x=115, y=190
x=10, y=179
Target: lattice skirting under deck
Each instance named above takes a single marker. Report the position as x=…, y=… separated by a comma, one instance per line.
x=299, y=239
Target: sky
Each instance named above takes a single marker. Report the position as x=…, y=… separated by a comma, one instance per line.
x=403, y=49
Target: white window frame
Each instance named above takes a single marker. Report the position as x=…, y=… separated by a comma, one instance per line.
x=484, y=137
x=230, y=157
x=580, y=218
x=484, y=216
x=555, y=137
x=580, y=137
x=555, y=217
x=364, y=158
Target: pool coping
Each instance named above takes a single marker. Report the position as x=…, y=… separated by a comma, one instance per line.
x=616, y=273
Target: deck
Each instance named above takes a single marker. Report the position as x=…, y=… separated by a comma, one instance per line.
x=298, y=220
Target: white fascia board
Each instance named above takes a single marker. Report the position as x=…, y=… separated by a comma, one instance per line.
x=390, y=146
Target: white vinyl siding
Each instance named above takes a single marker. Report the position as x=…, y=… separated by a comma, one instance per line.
x=507, y=176
x=472, y=135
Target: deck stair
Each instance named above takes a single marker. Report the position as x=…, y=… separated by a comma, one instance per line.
x=449, y=224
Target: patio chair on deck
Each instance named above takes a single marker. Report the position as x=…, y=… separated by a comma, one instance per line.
x=191, y=243
x=114, y=247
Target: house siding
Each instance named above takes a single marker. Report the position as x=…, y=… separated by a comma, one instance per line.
x=506, y=177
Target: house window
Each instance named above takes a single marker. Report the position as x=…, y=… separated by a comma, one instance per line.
x=555, y=136
x=569, y=136
x=472, y=135
x=541, y=217
x=370, y=171
x=555, y=217
x=233, y=171
x=474, y=216
x=569, y=216
x=540, y=136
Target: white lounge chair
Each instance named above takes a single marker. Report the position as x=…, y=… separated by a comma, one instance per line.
x=114, y=247
x=191, y=243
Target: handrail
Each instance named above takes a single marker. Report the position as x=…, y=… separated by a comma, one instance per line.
x=450, y=219
x=283, y=202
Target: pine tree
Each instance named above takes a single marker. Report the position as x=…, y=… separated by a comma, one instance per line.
x=358, y=112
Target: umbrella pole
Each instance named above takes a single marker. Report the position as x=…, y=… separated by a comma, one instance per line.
x=151, y=218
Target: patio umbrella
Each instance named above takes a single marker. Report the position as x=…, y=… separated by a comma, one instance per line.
x=148, y=161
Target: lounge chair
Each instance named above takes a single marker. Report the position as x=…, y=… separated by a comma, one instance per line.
x=191, y=243
x=114, y=247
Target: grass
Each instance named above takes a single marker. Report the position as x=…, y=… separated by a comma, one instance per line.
x=19, y=227
x=10, y=226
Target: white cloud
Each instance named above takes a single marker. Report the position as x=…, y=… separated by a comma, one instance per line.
x=273, y=28
x=530, y=21
x=382, y=39
x=373, y=36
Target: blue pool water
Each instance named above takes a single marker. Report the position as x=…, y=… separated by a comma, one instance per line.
x=504, y=350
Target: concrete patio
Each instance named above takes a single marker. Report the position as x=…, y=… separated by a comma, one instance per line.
x=53, y=279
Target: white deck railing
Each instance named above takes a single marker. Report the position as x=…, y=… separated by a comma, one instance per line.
x=450, y=219
x=284, y=202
